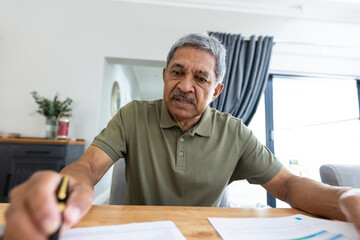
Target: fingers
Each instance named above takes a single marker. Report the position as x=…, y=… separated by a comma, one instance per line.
x=77, y=205
x=350, y=206
x=20, y=226
x=43, y=205
x=33, y=211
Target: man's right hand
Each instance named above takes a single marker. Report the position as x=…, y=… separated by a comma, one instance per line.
x=33, y=212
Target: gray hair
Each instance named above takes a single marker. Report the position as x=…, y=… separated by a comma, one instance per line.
x=207, y=43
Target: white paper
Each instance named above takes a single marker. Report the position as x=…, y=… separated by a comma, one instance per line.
x=296, y=227
x=162, y=230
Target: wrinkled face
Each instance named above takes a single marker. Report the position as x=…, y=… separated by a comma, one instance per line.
x=189, y=83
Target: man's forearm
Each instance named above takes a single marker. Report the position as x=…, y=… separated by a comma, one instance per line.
x=81, y=172
x=306, y=194
x=315, y=198
x=91, y=166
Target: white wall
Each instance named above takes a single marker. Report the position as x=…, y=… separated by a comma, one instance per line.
x=61, y=46
x=125, y=77
x=128, y=84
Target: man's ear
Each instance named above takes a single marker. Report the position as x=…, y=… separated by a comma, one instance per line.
x=164, y=73
x=217, y=91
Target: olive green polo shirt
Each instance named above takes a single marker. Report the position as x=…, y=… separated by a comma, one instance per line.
x=167, y=166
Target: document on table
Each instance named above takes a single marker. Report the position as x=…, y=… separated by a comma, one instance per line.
x=293, y=227
x=162, y=230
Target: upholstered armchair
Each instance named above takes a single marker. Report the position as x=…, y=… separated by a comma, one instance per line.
x=341, y=175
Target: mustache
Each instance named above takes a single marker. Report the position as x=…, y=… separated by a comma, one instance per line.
x=183, y=95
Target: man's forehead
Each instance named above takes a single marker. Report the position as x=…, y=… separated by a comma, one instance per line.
x=184, y=57
x=193, y=49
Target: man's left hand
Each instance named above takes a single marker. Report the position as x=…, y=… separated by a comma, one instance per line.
x=350, y=206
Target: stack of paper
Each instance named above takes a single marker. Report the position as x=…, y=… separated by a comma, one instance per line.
x=294, y=227
x=163, y=230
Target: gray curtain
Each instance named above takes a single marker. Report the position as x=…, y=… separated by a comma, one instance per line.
x=246, y=75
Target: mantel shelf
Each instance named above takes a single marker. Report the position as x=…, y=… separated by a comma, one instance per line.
x=41, y=141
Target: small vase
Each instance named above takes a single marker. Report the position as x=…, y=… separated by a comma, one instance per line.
x=51, y=123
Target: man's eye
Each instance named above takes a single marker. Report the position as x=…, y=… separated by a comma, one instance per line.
x=176, y=73
x=201, y=79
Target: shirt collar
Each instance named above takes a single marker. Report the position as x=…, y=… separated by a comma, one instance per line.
x=202, y=128
x=166, y=120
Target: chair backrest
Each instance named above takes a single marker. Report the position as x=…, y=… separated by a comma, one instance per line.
x=341, y=175
x=118, y=183
x=118, y=186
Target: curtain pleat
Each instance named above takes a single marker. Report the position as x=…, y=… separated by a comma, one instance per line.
x=246, y=75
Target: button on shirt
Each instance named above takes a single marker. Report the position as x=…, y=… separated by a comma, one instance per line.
x=167, y=166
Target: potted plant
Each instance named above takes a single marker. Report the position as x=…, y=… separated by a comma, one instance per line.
x=51, y=110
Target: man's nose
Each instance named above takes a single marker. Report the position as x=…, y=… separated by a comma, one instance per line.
x=186, y=84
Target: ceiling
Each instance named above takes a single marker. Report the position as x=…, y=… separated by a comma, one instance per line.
x=150, y=78
x=334, y=10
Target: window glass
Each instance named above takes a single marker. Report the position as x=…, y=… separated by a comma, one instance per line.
x=316, y=121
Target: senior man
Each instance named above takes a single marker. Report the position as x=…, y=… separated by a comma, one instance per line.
x=178, y=151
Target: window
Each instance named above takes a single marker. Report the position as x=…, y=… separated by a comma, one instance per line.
x=316, y=121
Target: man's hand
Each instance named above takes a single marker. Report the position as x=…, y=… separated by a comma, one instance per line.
x=33, y=213
x=350, y=206
x=341, y=203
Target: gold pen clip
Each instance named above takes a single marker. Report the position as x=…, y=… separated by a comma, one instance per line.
x=63, y=193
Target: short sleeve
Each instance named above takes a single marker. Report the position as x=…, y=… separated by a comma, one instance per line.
x=113, y=139
x=257, y=164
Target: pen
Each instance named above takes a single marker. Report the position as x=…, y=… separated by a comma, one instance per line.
x=62, y=194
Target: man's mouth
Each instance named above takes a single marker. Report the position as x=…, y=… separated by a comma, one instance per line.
x=182, y=100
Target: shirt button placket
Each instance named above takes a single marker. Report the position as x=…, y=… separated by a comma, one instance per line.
x=181, y=158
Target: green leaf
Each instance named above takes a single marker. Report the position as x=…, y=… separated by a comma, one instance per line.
x=53, y=107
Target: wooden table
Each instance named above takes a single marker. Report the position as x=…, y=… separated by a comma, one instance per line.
x=192, y=221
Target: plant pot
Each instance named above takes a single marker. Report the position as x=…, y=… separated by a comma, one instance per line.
x=51, y=123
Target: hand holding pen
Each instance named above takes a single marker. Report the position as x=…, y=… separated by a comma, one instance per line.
x=62, y=195
x=34, y=213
